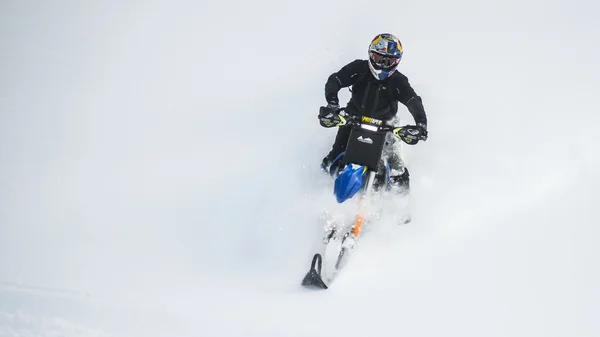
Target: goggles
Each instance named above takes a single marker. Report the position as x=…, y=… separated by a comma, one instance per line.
x=384, y=61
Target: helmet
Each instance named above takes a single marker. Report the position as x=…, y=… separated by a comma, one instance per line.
x=385, y=52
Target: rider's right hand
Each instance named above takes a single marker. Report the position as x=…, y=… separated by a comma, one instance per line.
x=328, y=115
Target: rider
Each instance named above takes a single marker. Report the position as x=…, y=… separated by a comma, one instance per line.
x=377, y=87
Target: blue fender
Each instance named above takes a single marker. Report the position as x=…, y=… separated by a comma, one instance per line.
x=348, y=182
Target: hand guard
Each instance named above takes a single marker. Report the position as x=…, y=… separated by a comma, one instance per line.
x=328, y=116
x=411, y=134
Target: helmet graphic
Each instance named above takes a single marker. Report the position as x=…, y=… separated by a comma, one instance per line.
x=385, y=52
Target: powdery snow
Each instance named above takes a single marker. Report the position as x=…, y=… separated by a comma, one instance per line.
x=159, y=170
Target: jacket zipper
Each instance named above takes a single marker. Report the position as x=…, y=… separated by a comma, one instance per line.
x=364, y=105
x=364, y=100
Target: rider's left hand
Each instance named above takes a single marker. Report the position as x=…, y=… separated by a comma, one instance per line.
x=423, y=127
x=411, y=134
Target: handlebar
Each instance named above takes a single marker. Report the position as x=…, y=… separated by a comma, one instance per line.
x=352, y=120
x=376, y=125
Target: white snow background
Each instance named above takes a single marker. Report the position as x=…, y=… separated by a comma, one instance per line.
x=159, y=169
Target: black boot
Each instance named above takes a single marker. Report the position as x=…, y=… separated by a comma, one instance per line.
x=326, y=162
x=331, y=166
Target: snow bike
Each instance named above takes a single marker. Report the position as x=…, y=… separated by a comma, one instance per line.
x=355, y=175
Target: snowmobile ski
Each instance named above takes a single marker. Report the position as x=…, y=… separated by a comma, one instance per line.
x=313, y=277
x=325, y=266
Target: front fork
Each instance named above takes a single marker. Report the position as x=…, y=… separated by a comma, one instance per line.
x=360, y=216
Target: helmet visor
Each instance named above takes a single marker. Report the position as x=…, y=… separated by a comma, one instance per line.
x=384, y=61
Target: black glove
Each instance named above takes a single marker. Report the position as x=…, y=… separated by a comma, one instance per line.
x=423, y=127
x=328, y=116
x=411, y=134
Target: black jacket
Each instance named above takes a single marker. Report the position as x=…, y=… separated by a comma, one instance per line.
x=371, y=97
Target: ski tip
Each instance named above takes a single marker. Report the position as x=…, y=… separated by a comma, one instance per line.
x=313, y=280
x=313, y=277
